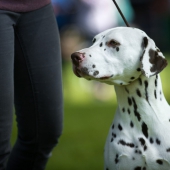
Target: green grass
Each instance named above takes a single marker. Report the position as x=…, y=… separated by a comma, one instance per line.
x=82, y=143
x=89, y=110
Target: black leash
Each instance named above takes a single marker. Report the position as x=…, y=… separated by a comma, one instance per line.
x=121, y=13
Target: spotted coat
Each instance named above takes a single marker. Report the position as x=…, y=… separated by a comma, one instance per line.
x=127, y=58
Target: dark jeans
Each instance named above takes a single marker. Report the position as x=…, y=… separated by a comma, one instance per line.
x=30, y=80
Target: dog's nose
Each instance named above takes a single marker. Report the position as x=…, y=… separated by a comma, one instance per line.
x=77, y=58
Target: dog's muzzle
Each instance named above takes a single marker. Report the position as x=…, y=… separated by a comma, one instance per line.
x=77, y=58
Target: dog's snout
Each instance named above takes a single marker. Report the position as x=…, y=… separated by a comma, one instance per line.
x=77, y=58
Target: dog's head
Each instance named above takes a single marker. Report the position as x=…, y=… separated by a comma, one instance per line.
x=119, y=56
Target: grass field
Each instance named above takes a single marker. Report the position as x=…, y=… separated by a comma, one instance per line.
x=89, y=110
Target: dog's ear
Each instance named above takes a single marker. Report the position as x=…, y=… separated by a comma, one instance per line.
x=152, y=59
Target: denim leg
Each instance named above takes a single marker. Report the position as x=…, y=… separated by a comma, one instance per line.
x=37, y=90
x=7, y=20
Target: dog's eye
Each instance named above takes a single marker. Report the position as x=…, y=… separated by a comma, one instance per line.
x=94, y=40
x=113, y=43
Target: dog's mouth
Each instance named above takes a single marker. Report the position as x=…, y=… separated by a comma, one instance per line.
x=105, y=77
x=83, y=72
x=77, y=71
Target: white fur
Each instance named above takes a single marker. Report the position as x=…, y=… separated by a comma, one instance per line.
x=139, y=137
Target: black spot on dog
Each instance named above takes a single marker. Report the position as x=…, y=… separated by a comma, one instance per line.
x=111, y=140
x=146, y=91
x=138, y=151
x=144, y=168
x=138, y=168
x=95, y=73
x=159, y=161
x=158, y=141
x=128, y=111
x=90, y=55
x=156, y=76
x=138, y=92
x=126, y=90
x=146, y=84
x=132, y=78
x=156, y=83
x=93, y=66
x=94, y=40
x=114, y=135
x=137, y=114
x=101, y=44
x=116, y=159
x=140, y=81
x=134, y=104
x=142, y=141
x=145, y=129
x=168, y=150
x=145, y=147
x=131, y=124
x=113, y=126
x=131, y=145
x=123, y=109
x=151, y=141
x=122, y=142
x=129, y=101
x=105, y=49
x=155, y=94
x=120, y=127
x=138, y=69
x=107, y=168
x=145, y=41
x=85, y=70
x=117, y=49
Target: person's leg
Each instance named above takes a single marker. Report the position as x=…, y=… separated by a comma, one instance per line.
x=7, y=19
x=38, y=90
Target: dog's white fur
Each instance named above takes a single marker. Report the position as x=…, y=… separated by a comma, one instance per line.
x=139, y=137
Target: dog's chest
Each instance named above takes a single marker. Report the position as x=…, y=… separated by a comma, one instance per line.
x=128, y=146
x=139, y=136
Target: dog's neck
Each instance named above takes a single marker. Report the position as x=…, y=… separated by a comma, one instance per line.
x=144, y=94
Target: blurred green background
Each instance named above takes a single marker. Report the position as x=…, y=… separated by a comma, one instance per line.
x=89, y=109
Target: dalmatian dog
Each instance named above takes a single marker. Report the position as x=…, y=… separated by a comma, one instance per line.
x=139, y=136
